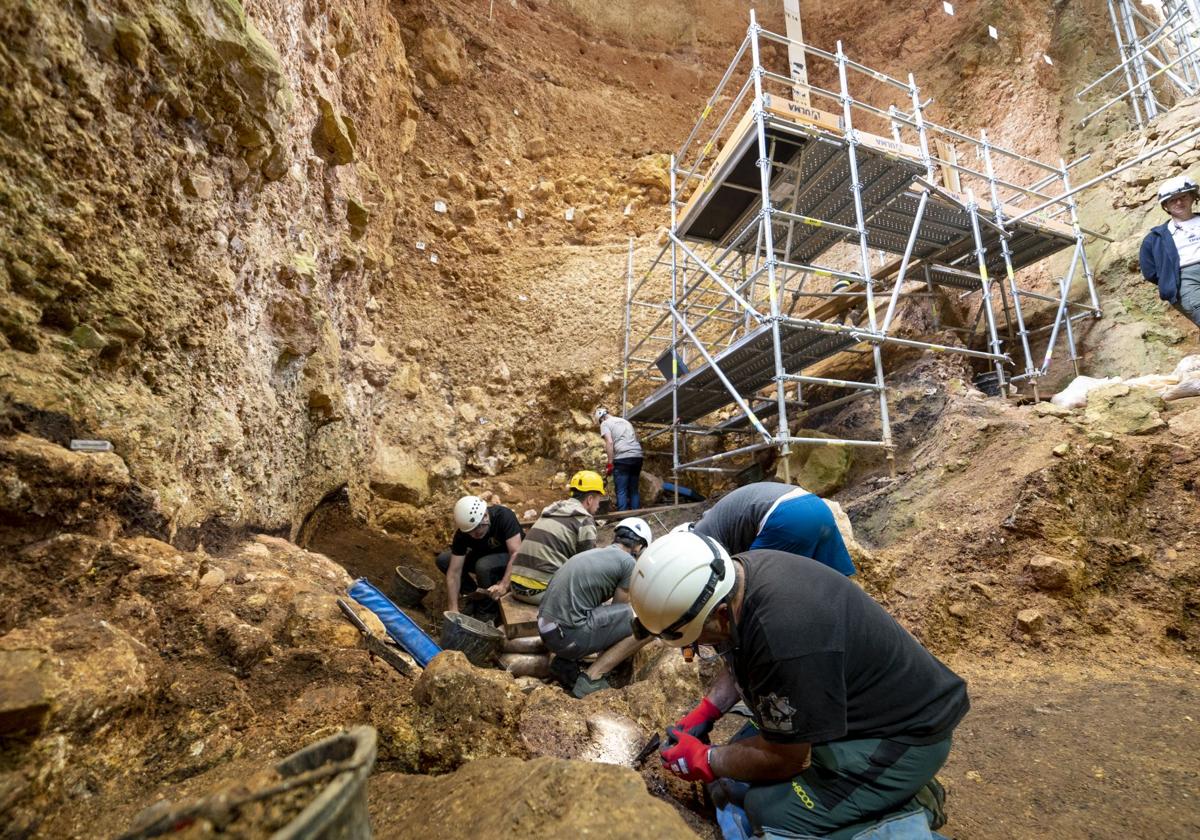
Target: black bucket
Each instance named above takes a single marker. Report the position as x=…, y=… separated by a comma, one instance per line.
x=336, y=811
x=989, y=383
x=410, y=586
x=480, y=642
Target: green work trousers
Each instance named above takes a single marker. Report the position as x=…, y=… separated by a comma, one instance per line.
x=849, y=786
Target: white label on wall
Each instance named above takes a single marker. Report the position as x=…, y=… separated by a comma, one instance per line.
x=570, y=214
x=993, y=34
x=947, y=8
x=433, y=258
x=439, y=207
x=420, y=245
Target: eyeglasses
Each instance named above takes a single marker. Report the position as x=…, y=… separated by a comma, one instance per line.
x=671, y=633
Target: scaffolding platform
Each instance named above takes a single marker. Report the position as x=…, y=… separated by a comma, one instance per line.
x=813, y=183
x=748, y=364
x=777, y=282
x=807, y=144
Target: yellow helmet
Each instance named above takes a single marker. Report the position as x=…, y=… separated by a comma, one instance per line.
x=586, y=481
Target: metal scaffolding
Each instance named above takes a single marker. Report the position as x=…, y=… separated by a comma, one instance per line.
x=1160, y=59
x=776, y=283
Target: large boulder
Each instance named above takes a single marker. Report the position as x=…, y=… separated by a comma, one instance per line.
x=442, y=54
x=510, y=798
x=1124, y=409
x=44, y=486
x=396, y=475
x=818, y=468
x=73, y=673
x=464, y=713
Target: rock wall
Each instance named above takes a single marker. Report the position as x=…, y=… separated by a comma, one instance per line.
x=185, y=267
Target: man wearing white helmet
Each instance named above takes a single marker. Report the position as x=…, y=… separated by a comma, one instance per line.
x=575, y=618
x=1170, y=253
x=624, y=457
x=852, y=717
x=486, y=541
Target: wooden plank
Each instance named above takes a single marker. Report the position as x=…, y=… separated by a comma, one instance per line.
x=520, y=619
x=797, y=62
x=803, y=114
x=947, y=152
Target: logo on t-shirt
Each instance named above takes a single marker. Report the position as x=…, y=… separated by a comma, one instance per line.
x=775, y=713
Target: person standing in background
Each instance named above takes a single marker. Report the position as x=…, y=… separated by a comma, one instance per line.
x=624, y=457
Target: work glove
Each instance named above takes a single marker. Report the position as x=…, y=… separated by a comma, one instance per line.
x=608, y=469
x=686, y=756
x=700, y=720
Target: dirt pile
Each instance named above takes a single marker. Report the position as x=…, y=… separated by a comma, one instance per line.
x=1084, y=538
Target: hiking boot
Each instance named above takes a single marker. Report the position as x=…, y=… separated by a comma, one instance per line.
x=564, y=671
x=585, y=685
x=932, y=798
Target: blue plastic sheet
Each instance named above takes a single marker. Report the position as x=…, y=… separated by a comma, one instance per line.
x=399, y=626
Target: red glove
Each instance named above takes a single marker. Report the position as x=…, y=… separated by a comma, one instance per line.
x=608, y=469
x=686, y=756
x=699, y=721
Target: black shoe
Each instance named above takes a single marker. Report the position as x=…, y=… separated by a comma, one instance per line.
x=565, y=671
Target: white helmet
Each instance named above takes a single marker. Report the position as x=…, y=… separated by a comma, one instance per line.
x=637, y=527
x=683, y=528
x=469, y=512
x=600, y=414
x=1179, y=185
x=676, y=584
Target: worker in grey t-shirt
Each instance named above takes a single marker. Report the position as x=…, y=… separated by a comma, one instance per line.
x=575, y=618
x=624, y=457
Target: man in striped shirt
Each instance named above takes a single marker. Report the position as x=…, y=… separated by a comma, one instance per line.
x=565, y=528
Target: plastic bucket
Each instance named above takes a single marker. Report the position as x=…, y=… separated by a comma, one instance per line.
x=340, y=810
x=410, y=586
x=989, y=383
x=337, y=809
x=480, y=642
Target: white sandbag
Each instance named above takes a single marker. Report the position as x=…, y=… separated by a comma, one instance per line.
x=1075, y=394
x=1153, y=381
x=1190, y=388
x=1188, y=368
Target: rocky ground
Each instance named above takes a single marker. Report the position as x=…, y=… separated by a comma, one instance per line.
x=317, y=268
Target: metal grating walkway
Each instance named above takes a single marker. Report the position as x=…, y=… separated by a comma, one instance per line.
x=748, y=364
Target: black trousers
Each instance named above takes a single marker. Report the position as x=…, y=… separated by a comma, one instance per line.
x=477, y=572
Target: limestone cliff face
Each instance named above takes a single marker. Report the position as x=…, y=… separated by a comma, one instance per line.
x=185, y=267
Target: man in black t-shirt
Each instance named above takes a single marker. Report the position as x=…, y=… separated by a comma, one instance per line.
x=482, y=552
x=852, y=716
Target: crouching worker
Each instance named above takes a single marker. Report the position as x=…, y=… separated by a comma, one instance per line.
x=852, y=717
x=575, y=618
x=564, y=529
x=481, y=555
x=783, y=517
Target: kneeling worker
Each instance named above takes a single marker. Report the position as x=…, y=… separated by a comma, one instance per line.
x=481, y=555
x=565, y=528
x=782, y=517
x=575, y=618
x=853, y=717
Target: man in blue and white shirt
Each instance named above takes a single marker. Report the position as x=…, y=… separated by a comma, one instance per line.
x=778, y=516
x=1170, y=253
